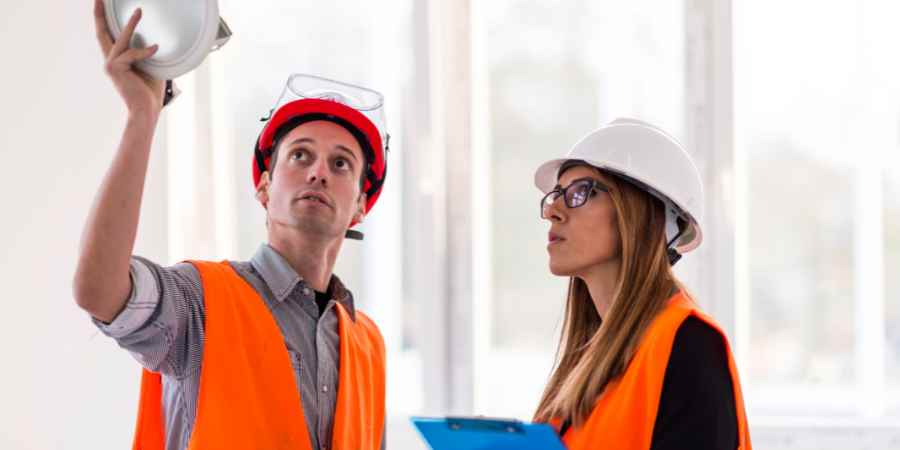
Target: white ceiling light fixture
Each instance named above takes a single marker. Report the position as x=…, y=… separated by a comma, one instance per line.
x=185, y=30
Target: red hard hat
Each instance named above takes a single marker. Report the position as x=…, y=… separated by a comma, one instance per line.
x=297, y=112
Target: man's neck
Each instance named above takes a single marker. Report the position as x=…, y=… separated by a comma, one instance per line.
x=312, y=258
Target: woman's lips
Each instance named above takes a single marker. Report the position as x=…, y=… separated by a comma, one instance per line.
x=554, y=238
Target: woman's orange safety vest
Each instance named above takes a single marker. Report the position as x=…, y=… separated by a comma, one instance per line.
x=625, y=413
x=248, y=397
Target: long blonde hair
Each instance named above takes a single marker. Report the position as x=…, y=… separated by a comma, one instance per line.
x=594, y=352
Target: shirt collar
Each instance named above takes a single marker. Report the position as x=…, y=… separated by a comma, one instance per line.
x=282, y=279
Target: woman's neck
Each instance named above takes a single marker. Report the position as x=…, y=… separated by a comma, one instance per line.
x=601, y=283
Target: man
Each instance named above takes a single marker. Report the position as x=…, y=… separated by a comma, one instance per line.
x=264, y=354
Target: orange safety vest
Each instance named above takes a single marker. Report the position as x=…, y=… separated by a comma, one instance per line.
x=625, y=413
x=248, y=397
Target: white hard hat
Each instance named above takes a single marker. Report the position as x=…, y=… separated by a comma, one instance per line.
x=650, y=158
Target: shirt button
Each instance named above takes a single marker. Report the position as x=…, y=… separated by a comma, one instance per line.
x=324, y=388
x=306, y=291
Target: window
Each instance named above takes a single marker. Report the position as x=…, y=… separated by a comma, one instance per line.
x=554, y=72
x=816, y=130
x=892, y=281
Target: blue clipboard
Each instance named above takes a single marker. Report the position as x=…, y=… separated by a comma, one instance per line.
x=481, y=433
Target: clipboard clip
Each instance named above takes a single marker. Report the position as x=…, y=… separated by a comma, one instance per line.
x=497, y=425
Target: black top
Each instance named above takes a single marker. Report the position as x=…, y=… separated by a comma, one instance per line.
x=696, y=406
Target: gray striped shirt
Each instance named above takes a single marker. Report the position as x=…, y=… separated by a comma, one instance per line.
x=162, y=326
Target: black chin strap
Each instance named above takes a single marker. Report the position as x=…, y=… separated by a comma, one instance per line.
x=674, y=256
x=353, y=234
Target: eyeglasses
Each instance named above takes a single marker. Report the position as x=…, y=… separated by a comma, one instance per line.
x=574, y=195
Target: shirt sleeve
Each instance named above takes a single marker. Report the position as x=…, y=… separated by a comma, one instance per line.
x=142, y=302
x=162, y=322
x=696, y=408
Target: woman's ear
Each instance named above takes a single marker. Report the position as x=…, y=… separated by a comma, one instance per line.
x=262, y=190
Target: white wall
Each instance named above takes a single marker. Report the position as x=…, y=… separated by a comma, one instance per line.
x=62, y=384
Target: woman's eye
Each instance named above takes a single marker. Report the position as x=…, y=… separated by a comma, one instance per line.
x=583, y=191
x=298, y=155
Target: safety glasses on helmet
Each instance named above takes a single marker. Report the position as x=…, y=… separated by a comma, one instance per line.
x=367, y=101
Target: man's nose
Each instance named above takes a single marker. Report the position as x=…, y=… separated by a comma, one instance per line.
x=318, y=173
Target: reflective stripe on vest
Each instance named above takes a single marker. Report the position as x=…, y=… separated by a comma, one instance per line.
x=248, y=396
x=625, y=413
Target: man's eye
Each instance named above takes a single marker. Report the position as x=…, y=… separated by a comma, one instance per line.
x=342, y=164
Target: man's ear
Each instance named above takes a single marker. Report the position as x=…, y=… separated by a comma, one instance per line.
x=262, y=190
x=360, y=214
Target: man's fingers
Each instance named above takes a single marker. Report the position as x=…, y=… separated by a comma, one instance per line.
x=103, y=37
x=134, y=55
x=122, y=43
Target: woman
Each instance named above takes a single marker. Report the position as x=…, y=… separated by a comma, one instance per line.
x=639, y=365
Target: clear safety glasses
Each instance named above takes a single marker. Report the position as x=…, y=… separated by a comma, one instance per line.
x=367, y=101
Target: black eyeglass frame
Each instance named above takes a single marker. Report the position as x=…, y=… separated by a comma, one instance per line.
x=575, y=201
